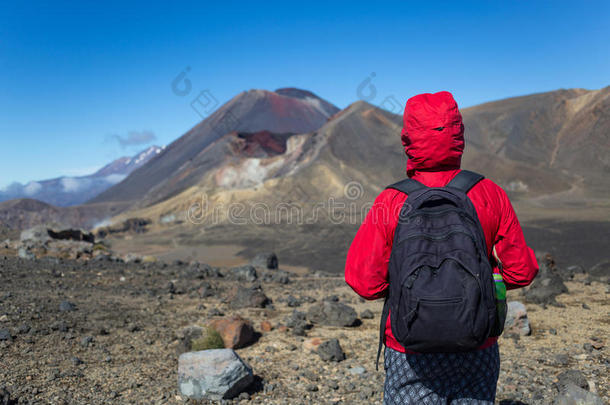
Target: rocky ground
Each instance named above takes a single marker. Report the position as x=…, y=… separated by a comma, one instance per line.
x=104, y=331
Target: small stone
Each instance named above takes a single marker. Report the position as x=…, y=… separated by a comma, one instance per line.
x=132, y=327
x=5, y=335
x=367, y=314
x=516, y=319
x=366, y=393
x=86, y=341
x=331, y=350
x=332, y=384
x=215, y=312
x=312, y=345
x=76, y=361
x=67, y=306
x=292, y=302
x=358, y=370
x=562, y=360
x=266, y=326
x=299, y=330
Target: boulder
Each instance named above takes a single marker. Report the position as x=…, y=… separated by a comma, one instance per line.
x=38, y=234
x=574, y=395
x=601, y=271
x=547, y=285
x=331, y=350
x=516, y=319
x=332, y=313
x=244, y=273
x=213, y=374
x=266, y=260
x=571, y=377
x=279, y=276
x=72, y=234
x=236, y=331
x=244, y=297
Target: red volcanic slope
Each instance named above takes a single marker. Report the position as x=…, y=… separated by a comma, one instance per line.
x=271, y=144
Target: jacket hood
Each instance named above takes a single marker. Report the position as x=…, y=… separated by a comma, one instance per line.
x=432, y=133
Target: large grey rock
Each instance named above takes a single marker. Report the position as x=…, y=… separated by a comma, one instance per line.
x=516, y=319
x=242, y=297
x=547, y=285
x=38, y=234
x=571, y=377
x=601, y=271
x=213, y=374
x=332, y=314
x=574, y=395
x=244, y=273
x=265, y=260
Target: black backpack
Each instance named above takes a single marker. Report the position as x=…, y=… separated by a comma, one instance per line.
x=441, y=287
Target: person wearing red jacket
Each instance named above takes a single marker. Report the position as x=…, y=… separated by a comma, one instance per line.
x=433, y=138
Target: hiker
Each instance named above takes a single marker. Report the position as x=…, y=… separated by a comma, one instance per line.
x=443, y=262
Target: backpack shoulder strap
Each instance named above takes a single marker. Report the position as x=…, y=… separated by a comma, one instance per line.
x=407, y=186
x=465, y=180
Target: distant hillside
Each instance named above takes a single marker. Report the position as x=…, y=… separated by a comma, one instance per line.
x=68, y=191
x=25, y=213
x=562, y=135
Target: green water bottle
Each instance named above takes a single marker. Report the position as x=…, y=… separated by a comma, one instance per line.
x=500, y=305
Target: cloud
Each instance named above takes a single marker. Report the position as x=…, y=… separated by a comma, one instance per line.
x=115, y=178
x=134, y=138
x=71, y=184
x=32, y=188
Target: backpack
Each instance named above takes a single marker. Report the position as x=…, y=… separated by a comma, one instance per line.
x=442, y=294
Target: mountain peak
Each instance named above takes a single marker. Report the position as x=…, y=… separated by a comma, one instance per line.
x=126, y=164
x=294, y=92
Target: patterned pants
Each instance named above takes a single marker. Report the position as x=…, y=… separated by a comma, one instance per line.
x=441, y=378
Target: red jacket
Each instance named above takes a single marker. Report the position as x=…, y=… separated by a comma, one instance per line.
x=433, y=136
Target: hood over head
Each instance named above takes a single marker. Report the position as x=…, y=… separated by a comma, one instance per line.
x=432, y=133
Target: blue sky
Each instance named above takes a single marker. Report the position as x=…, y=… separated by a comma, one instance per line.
x=76, y=79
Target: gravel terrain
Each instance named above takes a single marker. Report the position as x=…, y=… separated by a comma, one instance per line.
x=106, y=332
